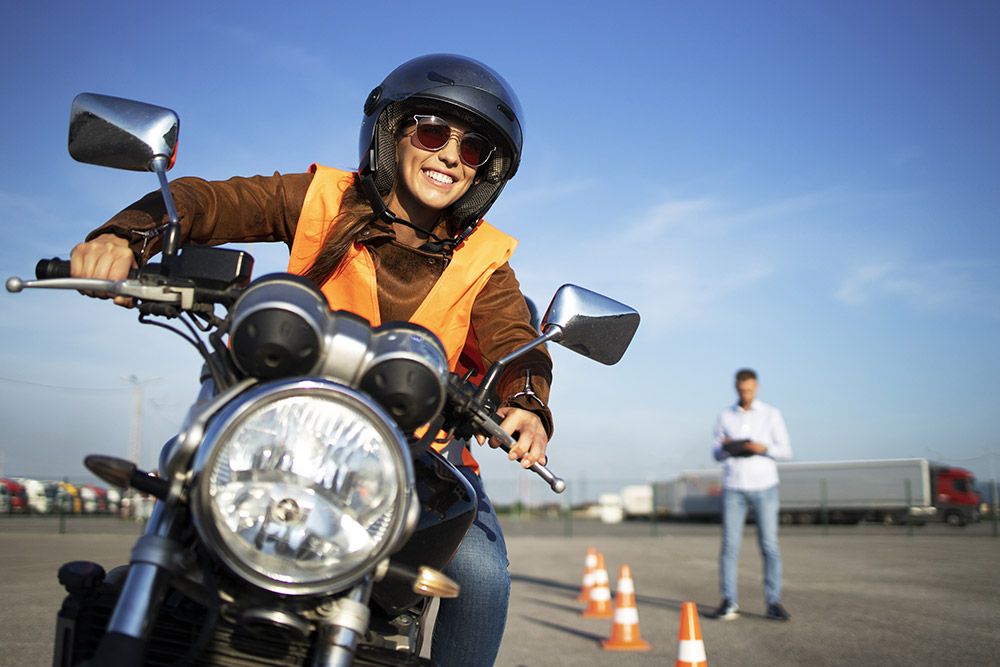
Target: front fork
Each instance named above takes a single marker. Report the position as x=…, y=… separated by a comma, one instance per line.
x=343, y=627
x=155, y=560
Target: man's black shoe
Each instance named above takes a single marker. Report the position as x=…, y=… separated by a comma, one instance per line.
x=727, y=611
x=777, y=612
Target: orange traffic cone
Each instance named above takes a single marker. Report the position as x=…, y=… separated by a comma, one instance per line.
x=690, y=647
x=589, y=565
x=625, y=630
x=599, y=604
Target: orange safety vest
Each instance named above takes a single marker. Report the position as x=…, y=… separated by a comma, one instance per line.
x=447, y=308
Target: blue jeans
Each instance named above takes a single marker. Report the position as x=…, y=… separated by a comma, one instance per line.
x=734, y=514
x=469, y=628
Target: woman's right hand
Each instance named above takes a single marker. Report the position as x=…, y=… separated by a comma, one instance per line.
x=107, y=257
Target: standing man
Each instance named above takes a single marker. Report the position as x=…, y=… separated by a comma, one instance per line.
x=749, y=437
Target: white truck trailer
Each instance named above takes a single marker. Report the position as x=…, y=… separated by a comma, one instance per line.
x=695, y=495
x=888, y=490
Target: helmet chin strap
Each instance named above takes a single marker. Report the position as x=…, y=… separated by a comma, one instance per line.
x=437, y=244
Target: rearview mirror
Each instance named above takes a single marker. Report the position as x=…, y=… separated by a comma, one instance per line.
x=122, y=134
x=590, y=324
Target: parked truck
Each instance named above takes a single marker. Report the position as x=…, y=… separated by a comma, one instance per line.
x=637, y=501
x=36, y=501
x=695, y=495
x=890, y=491
x=17, y=500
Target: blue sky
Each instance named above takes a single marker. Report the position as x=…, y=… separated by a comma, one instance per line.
x=810, y=189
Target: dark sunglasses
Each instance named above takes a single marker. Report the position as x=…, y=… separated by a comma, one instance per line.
x=433, y=134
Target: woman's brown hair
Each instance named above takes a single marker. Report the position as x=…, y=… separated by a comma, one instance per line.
x=355, y=214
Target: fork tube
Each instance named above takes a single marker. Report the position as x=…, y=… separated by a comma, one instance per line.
x=152, y=566
x=339, y=636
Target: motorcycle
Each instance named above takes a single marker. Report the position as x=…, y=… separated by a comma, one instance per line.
x=301, y=515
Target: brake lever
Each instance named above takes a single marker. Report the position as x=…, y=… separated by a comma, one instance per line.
x=493, y=429
x=558, y=484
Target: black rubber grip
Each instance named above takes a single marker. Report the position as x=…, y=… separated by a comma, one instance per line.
x=52, y=268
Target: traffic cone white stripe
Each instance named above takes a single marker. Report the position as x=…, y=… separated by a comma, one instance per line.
x=691, y=651
x=625, y=586
x=627, y=615
x=601, y=594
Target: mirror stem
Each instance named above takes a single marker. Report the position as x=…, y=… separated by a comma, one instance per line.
x=172, y=237
x=552, y=333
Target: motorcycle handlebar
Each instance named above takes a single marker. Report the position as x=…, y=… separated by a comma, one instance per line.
x=48, y=269
x=52, y=268
x=189, y=290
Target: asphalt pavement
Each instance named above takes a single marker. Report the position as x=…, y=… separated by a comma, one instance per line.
x=858, y=595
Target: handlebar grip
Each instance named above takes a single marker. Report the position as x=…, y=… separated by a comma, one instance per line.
x=52, y=268
x=60, y=268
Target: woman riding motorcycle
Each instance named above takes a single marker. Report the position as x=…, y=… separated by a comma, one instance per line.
x=402, y=238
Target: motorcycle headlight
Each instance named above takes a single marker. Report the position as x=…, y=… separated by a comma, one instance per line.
x=302, y=486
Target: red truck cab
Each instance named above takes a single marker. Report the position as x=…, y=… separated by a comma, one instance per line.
x=956, y=502
x=17, y=499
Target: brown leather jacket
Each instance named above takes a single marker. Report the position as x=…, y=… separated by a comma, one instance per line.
x=267, y=208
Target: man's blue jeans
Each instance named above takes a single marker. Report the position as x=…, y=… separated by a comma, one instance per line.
x=469, y=628
x=734, y=513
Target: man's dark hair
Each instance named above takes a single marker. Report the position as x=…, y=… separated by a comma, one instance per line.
x=745, y=374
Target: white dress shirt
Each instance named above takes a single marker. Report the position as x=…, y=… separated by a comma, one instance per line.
x=759, y=423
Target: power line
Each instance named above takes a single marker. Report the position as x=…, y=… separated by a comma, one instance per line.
x=60, y=387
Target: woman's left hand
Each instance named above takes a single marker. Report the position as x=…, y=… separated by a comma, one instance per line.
x=531, y=439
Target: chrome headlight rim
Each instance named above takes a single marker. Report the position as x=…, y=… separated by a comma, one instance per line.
x=257, y=398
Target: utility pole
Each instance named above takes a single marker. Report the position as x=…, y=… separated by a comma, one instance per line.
x=996, y=519
x=135, y=431
x=135, y=438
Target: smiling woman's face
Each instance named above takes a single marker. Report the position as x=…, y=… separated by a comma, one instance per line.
x=427, y=182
